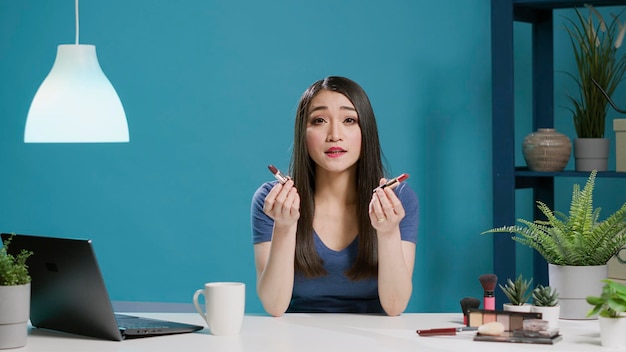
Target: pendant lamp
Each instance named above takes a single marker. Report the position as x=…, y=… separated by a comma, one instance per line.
x=76, y=102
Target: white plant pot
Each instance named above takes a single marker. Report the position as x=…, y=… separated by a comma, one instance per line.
x=612, y=332
x=14, y=314
x=525, y=308
x=549, y=314
x=574, y=284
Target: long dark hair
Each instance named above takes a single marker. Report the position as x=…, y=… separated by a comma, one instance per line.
x=369, y=170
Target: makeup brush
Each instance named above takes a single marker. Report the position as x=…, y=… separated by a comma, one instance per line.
x=488, y=281
x=467, y=303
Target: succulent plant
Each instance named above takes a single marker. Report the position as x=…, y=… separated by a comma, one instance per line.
x=518, y=291
x=545, y=296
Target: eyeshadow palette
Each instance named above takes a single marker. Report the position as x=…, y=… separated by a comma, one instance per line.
x=513, y=326
x=511, y=320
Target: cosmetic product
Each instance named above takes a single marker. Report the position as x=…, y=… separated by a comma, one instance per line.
x=536, y=328
x=278, y=175
x=515, y=326
x=445, y=331
x=488, y=281
x=515, y=338
x=511, y=320
x=466, y=304
x=492, y=328
x=393, y=182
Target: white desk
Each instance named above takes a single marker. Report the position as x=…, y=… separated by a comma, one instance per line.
x=318, y=333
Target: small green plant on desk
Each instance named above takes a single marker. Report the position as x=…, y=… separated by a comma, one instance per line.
x=13, y=269
x=518, y=291
x=545, y=296
x=612, y=301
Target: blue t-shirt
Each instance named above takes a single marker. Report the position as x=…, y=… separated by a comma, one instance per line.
x=334, y=292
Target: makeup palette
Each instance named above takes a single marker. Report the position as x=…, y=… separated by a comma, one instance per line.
x=511, y=320
x=513, y=326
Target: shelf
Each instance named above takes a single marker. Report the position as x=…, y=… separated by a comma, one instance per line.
x=540, y=11
x=525, y=178
x=557, y=4
x=525, y=172
x=506, y=176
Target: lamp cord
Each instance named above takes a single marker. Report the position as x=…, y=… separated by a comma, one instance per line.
x=77, y=29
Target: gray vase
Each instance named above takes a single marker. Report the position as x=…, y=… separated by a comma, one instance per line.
x=591, y=154
x=14, y=315
x=574, y=284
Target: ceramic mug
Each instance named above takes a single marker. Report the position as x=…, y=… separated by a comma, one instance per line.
x=225, y=304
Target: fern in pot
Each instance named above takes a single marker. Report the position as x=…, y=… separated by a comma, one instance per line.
x=577, y=246
x=14, y=297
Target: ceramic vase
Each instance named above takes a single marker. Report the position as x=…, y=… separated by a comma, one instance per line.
x=546, y=150
x=591, y=154
x=14, y=314
x=574, y=284
x=612, y=332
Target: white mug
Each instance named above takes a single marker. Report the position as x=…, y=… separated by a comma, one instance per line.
x=225, y=304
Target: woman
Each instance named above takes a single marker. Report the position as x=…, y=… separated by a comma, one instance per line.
x=324, y=241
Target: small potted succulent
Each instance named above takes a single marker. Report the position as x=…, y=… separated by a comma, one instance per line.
x=546, y=302
x=611, y=308
x=14, y=297
x=518, y=292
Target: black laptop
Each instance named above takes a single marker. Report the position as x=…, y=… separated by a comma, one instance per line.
x=68, y=292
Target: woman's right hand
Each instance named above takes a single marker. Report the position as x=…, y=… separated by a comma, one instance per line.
x=282, y=204
x=274, y=260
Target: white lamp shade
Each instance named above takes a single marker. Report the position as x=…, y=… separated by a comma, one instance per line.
x=76, y=103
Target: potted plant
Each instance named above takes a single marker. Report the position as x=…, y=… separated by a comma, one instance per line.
x=546, y=302
x=14, y=297
x=577, y=246
x=610, y=306
x=518, y=292
x=596, y=52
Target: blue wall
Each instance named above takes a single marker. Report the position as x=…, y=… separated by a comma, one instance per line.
x=210, y=90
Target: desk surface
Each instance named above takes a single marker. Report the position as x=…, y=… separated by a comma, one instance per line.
x=319, y=333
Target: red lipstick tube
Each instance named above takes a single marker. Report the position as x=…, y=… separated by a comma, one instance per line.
x=278, y=175
x=393, y=182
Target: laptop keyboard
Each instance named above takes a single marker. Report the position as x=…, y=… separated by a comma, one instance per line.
x=130, y=322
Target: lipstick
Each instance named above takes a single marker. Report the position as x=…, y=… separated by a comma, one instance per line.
x=445, y=331
x=278, y=175
x=392, y=183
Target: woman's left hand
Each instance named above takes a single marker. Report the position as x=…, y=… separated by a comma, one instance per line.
x=385, y=209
